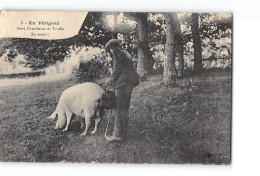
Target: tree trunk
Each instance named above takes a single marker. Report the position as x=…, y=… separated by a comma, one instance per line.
x=179, y=44
x=114, y=33
x=196, y=43
x=145, y=60
x=170, y=52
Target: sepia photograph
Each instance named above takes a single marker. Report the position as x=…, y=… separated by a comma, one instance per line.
x=129, y=87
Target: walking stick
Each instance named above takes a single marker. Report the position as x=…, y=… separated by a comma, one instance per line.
x=109, y=117
x=108, y=122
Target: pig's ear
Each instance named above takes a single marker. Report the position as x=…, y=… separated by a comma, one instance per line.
x=53, y=115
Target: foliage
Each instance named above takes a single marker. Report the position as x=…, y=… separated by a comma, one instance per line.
x=91, y=70
x=40, y=53
x=215, y=31
x=215, y=25
x=157, y=33
x=94, y=31
x=43, y=53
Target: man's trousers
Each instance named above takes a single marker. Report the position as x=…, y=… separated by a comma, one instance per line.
x=123, y=97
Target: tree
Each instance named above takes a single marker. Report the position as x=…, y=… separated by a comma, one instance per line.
x=213, y=29
x=39, y=53
x=94, y=31
x=42, y=53
x=196, y=43
x=145, y=60
x=210, y=32
x=157, y=36
x=178, y=44
x=170, y=51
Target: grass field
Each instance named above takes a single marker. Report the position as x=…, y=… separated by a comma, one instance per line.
x=183, y=124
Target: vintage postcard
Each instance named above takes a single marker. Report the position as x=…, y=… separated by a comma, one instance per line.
x=115, y=87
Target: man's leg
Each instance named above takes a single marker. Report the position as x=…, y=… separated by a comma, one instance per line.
x=127, y=99
x=120, y=104
x=123, y=96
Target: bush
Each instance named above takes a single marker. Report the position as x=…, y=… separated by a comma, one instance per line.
x=91, y=70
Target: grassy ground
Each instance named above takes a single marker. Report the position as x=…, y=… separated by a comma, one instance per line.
x=167, y=125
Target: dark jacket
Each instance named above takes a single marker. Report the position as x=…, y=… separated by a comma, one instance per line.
x=123, y=69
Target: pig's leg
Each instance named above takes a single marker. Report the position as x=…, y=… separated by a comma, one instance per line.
x=69, y=115
x=89, y=112
x=58, y=123
x=99, y=114
x=97, y=120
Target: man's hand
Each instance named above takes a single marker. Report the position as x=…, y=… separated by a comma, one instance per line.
x=109, y=82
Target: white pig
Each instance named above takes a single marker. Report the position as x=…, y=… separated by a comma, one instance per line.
x=81, y=100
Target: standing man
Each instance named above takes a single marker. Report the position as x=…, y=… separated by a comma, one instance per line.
x=123, y=79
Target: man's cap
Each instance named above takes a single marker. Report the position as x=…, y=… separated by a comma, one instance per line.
x=111, y=43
